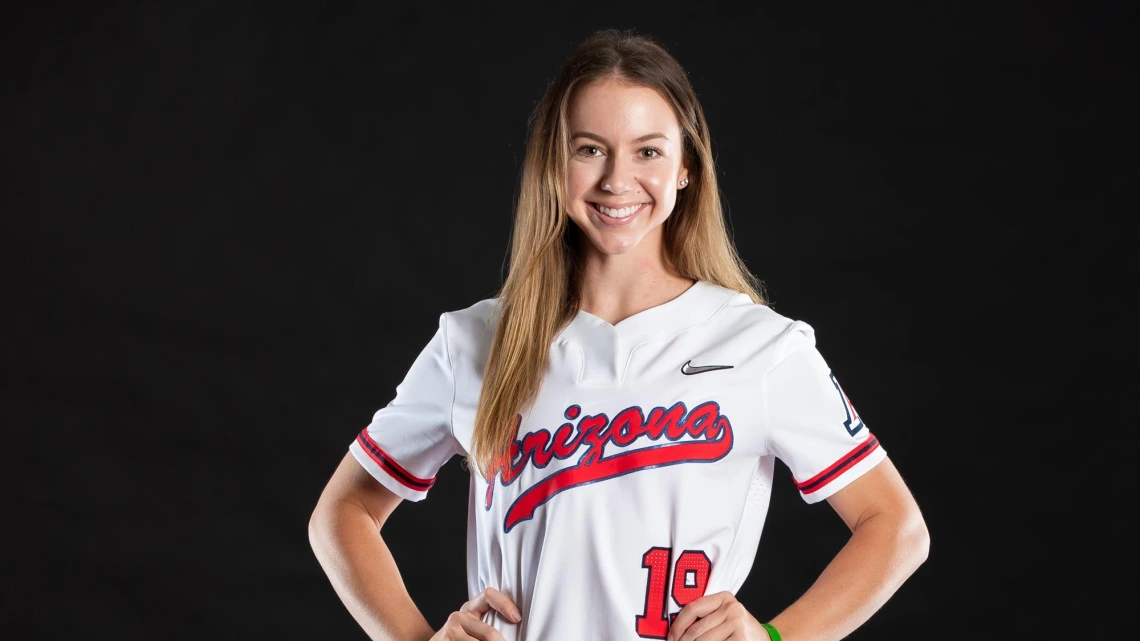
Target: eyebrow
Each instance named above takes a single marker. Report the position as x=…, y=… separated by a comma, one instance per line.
x=593, y=136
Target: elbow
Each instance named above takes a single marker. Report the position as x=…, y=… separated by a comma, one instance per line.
x=316, y=529
x=915, y=540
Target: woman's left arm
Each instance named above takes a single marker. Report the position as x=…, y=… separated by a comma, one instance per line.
x=889, y=540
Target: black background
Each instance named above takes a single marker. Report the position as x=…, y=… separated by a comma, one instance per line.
x=231, y=228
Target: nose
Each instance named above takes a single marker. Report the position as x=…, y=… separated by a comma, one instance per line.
x=619, y=176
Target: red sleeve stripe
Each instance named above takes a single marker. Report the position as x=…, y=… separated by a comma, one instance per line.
x=820, y=480
x=389, y=464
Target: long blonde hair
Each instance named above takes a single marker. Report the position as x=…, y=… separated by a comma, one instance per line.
x=540, y=293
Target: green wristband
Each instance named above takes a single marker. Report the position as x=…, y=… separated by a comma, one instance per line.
x=772, y=632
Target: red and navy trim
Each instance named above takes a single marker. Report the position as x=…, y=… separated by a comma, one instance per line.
x=820, y=480
x=389, y=464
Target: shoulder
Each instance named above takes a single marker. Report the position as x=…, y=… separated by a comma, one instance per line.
x=471, y=328
x=760, y=328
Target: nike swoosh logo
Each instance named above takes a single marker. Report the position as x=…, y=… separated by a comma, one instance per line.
x=690, y=369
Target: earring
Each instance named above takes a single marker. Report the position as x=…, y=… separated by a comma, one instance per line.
x=684, y=181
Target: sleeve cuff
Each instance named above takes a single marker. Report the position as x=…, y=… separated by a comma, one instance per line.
x=835, y=477
x=387, y=471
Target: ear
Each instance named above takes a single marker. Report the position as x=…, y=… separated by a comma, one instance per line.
x=683, y=176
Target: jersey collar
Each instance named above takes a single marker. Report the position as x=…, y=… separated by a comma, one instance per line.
x=605, y=348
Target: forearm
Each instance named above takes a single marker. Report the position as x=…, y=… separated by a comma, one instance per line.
x=881, y=554
x=364, y=575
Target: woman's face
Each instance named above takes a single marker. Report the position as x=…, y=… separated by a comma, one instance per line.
x=625, y=164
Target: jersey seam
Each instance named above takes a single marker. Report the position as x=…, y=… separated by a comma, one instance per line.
x=581, y=363
x=764, y=387
x=743, y=514
x=454, y=383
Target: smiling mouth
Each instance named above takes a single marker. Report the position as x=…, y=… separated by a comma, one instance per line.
x=617, y=214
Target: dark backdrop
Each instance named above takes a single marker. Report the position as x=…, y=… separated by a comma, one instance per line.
x=230, y=230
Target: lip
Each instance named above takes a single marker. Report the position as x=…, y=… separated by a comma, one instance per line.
x=616, y=222
x=619, y=205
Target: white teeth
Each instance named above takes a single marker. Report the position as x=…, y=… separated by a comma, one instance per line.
x=619, y=213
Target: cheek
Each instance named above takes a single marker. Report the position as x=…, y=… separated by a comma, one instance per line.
x=657, y=181
x=661, y=174
x=580, y=178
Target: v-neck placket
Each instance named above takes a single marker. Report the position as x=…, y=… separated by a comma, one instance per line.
x=605, y=350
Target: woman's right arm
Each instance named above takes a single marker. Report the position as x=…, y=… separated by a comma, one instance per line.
x=344, y=531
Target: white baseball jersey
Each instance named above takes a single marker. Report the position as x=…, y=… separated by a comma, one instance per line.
x=641, y=475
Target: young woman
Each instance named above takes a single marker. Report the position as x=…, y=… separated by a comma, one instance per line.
x=620, y=403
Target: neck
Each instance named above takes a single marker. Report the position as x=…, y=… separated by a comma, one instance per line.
x=615, y=287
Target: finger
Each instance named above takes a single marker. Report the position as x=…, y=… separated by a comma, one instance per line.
x=503, y=604
x=492, y=598
x=702, y=626
x=698, y=608
x=478, y=629
x=454, y=627
x=722, y=632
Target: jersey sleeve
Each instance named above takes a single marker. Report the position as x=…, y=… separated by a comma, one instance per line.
x=812, y=425
x=411, y=438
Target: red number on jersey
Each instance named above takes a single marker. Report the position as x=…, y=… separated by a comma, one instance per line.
x=652, y=624
x=690, y=578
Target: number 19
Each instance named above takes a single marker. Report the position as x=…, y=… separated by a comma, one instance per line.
x=690, y=578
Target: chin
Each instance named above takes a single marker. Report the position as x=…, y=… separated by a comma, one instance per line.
x=615, y=246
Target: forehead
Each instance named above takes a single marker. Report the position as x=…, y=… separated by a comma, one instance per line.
x=614, y=108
